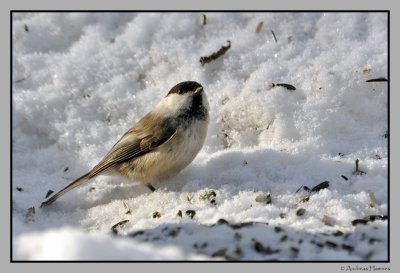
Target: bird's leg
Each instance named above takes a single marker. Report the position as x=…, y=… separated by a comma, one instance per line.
x=151, y=187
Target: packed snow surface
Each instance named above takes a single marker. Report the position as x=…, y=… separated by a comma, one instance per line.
x=80, y=80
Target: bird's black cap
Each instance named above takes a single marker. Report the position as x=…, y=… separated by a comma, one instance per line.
x=184, y=87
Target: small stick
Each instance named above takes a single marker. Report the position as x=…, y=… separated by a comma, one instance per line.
x=357, y=171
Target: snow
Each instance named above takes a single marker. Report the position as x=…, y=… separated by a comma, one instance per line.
x=90, y=247
x=80, y=80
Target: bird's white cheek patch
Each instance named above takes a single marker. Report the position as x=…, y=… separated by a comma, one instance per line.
x=171, y=104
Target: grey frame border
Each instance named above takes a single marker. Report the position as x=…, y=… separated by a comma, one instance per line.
x=187, y=6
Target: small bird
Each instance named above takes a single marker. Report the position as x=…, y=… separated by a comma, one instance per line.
x=159, y=145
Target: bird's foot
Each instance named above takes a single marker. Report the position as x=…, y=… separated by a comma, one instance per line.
x=151, y=187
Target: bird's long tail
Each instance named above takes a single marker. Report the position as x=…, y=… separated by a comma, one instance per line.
x=71, y=186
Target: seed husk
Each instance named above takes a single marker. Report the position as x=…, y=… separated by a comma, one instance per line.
x=274, y=36
x=215, y=55
x=264, y=198
x=49, y=193
x=373, y=218
x=305, y=199
x=337, y=233
x=321, y=186
x=139, y=232
x=284, y=238
x=371, y=195
x=331, y=244
x=259, y=26
x=316, y=243
x=209, y=195
x=219, y=253
x=285, y=85
x=222, y=221
x=115, y=227
x=347, y=247
x=381, y=79
x=30, y=214
x=368, y=256
x=156, y=214
x=373, y=240
x=23, y=79
x=190, y=213
x=328, y=221
x=189, y=197
x=367, y=71
x=359, y=221
x=278, y=229
x=300, y=212
x=204, y=21
x=173, y=233
x=260, y=248
x=128, y=210
x=294, y=249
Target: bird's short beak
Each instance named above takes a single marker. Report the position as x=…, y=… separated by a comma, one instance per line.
x=198, y=90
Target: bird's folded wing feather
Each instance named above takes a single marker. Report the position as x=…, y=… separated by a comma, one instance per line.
x=134, y=143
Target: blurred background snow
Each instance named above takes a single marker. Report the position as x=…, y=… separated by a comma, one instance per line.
x=80, y=80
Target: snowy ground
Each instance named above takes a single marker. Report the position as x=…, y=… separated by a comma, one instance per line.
x=81, y=80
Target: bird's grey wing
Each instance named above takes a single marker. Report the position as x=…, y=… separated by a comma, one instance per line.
x=130, y=146
x=141, y=139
